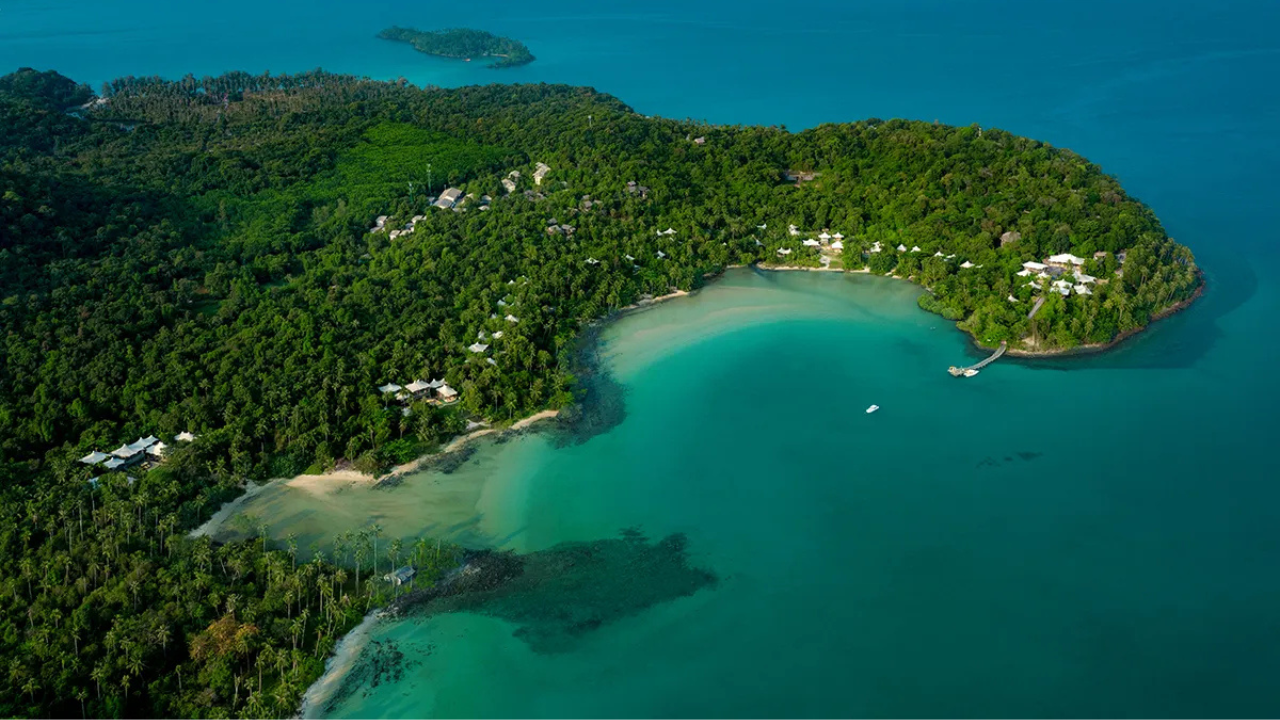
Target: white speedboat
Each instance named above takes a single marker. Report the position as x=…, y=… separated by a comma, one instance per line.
x=872, y=409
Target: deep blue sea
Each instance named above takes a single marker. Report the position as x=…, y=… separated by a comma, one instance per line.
x=1096, y=536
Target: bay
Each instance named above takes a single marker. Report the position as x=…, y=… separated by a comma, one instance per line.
x=1120, y=562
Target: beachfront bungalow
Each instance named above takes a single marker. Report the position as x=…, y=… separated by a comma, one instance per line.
x=400, y=576
x=94, y=458
x=448, y=199
x=447, y=394
x=477, y=347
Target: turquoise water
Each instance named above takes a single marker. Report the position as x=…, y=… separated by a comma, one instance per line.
x=1121, y=561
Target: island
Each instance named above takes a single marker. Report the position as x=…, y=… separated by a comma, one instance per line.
x=257, y=276
x=463, y=44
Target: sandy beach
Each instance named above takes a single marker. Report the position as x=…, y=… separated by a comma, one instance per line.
x=329, y=483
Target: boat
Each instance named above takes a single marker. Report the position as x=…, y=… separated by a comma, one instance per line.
x=971, y=372
x=872, y=409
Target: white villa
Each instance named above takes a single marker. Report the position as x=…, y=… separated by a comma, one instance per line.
x=784, y=251
x=512, y=319
x=837, y=245
x=477, y=347
x=539, y=172
x=448, y=198
x=1064, y=260
x=901, y=247
x=812, y=243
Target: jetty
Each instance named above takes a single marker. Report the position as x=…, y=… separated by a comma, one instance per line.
x=973, y=369
x=1036, y=308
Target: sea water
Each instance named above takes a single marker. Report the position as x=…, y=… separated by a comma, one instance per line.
x=1071, y=537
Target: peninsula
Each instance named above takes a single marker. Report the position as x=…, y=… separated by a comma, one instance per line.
x=463, y=44
x=259, y=276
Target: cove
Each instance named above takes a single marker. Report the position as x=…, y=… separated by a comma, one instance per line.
x=977, y=543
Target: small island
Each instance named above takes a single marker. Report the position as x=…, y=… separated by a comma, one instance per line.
x=463, y=44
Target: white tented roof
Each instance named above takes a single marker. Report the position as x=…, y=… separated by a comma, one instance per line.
x=94, y=458
x=185, y=437
x=389, y=388
x=477, y=347
x=418, y=386
x=1034, y=265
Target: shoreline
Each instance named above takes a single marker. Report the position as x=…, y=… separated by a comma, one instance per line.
x=339, y=662
x=1091, y=349
x=232, y=507
x=1096, y=348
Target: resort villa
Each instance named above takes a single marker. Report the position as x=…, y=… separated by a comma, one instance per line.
x=135, y=453
x=448, y=199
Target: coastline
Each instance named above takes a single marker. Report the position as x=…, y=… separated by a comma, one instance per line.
x=339, y=662
x=1090, y=349
x=325, y=481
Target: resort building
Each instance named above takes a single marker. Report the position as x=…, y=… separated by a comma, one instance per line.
x=447, y=394
x=1034, y=266
x=812, y=243
x=400, y=576
x=901, y=247
x=185, y=437
x=784, y=251
x=477, y=347
x=1064, y=260
x=540, y=171
x=94, y=458
x=915, y=248
x=389, y=388
x=448, y=198
x=824, y=237
x=837, y=245
x=512, y=319
x=966, y=264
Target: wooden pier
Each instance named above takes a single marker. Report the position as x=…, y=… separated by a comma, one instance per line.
x=966, y=371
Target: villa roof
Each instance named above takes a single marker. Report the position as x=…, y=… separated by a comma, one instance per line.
x=915, y=248
x=477, y=347
x=447, y=392
x=512, y=319
x=837, y=245
x=418, y=386
x=94, y=458
x=938, y=254
x=1023, y=273
x=389, y=388
x=1082, y=289
x=902, y=248
x=824, y=236
x=784, y=251
x=1066, y=258
x=185, y=437
x=966, y=264
x=113, y=463
x=125, y=451
x=1081, y=277
x=812, y=243
x=1034, y=265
